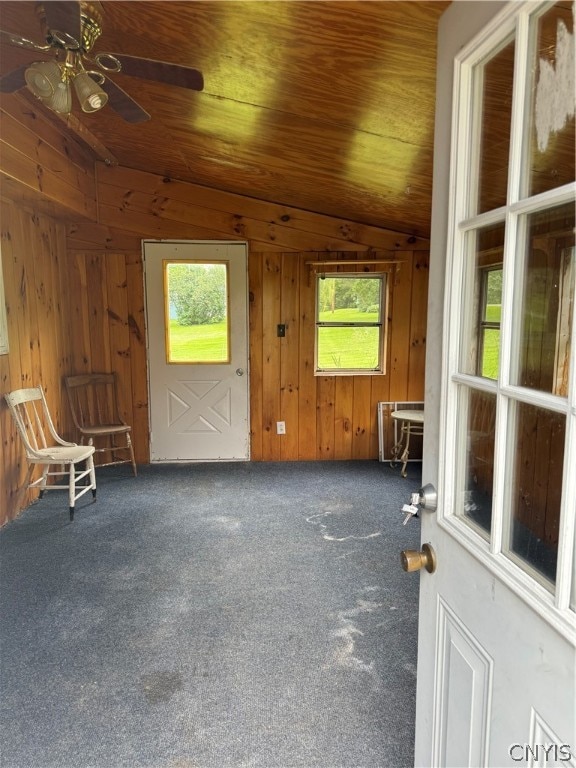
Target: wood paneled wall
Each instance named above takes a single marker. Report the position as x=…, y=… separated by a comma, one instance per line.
x=74, y=291
x=327, y=417
x=67, y=313
x=157, y=207
x=106, y=306
x=77, y=310
x=40, y=335
x=42, y=165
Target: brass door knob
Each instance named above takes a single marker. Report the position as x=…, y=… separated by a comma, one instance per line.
x=412, y=560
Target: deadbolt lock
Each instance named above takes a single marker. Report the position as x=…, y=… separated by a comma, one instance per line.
x=413, y=561
x=426, y=498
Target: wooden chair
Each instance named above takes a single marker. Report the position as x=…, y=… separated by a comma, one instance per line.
x=93, y=399
x=45, y=448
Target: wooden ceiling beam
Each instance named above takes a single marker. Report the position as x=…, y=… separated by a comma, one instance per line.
x=86, y=136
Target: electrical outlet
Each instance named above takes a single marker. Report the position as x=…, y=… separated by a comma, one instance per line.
x=280, y=427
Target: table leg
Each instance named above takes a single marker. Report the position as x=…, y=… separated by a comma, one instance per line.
x=406, y=452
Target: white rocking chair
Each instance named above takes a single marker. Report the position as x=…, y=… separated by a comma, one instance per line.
x=45, y=448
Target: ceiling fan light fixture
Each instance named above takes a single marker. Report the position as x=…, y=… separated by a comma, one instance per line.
x=43, y=78
x=90, y=94
x=70, y=30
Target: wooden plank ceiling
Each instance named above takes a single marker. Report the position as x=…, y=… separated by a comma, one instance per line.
x=323, y=106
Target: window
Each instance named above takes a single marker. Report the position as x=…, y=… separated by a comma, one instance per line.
x=350, y=312
x=489, y=323
x=196, y=312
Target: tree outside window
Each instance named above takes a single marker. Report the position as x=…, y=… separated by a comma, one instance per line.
x=197, y=327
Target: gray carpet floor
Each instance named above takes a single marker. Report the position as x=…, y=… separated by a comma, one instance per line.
x=212, y=616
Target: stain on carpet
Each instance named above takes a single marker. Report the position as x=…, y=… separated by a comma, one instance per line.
x=161, y=686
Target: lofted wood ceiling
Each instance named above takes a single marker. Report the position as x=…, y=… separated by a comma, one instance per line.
x=324, y=106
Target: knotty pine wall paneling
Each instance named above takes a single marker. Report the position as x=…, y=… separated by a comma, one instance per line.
x=289, y=353
x=42, y=165
x=40, y=339
x=108, y=310
x=68, y=312
x=152, y=206
x=307, y=382
x=327, y=417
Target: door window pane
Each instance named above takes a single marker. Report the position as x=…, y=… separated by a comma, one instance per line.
x=552, y=146
x=547, y=301
x=479, y=469
x=196, y=312
x=481, y=329
x=490, y=310
x=496, y=78
x=535, y=495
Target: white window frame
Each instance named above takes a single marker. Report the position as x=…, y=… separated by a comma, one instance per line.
x=554, y=605
x=381, y=324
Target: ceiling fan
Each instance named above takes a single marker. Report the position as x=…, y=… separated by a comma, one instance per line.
x=71, y=29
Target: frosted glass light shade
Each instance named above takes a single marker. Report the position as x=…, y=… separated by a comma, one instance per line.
x=90, y=94
x=42, y=77
x=61, y=101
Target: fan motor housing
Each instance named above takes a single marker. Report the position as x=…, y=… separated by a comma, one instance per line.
x=91, y=28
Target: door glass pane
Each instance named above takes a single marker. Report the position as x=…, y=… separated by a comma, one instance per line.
x=552, y=146
x=196, y=312
x=490, y=311
x=547, y=301
x=496, y=78
x=479, y=469
x=535, y=492
x=481, y=329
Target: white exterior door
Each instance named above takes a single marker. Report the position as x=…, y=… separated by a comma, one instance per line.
x=497, y=630
x=197, y=329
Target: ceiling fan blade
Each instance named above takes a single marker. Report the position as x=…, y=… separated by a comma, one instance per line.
x=63, y=19
x=13, y=81
x=161, y=71
x=124, y=104
x=21, y=42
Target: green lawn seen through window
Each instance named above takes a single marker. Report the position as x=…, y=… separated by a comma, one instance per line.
x=493, y=312
x=192, y=343
x=491, y=345
x=347, y=316
x=347, y=347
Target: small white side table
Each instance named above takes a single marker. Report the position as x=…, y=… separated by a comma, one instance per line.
x=411, y=423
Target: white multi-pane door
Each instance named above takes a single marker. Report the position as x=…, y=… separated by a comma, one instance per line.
x=197, y=330
x=497, y=634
